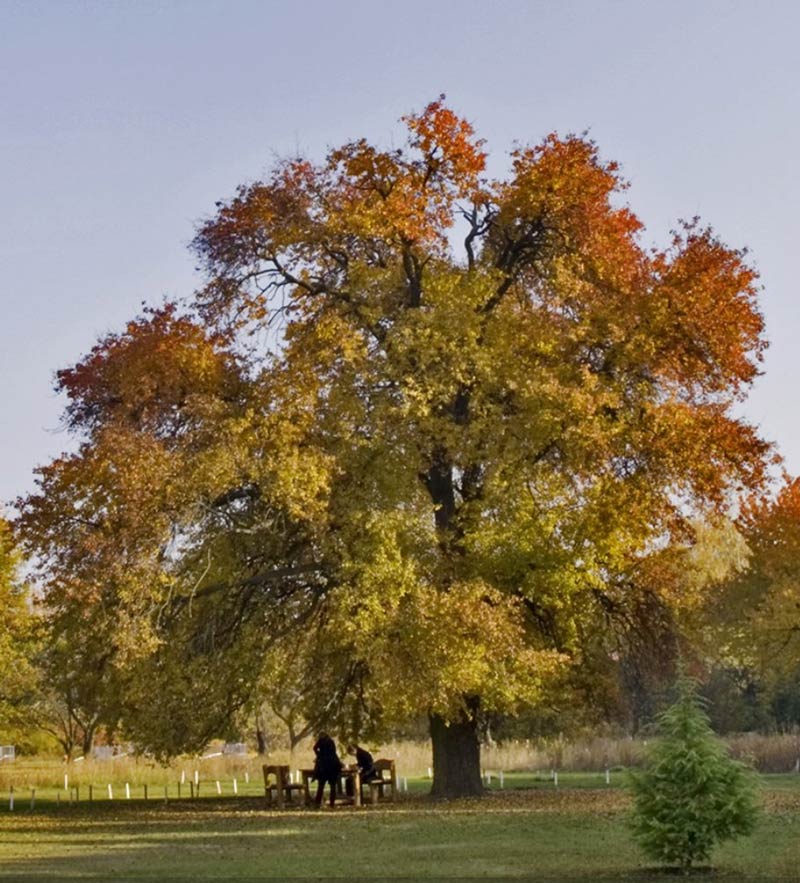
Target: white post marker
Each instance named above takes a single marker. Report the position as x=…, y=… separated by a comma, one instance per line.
x=127, y=791
x=488, y=778
x=430, y=773
x=291, y=777
x=555, y=778
x=196, y=777
x=235, y=786
x=608, y=776
x=183, y=777
x=219, y=787
x=110, y=792
x=66, y=782
x=11, y=800
x=405, y=783
x=247, y=777
x=501, y=778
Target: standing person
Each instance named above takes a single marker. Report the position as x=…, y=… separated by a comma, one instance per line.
x=327, y=767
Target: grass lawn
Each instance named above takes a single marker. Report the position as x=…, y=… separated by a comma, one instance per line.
x=574, y=832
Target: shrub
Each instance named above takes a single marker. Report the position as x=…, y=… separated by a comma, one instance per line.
x=690, y=794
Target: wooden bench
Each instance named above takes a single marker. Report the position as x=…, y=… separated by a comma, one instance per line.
x=385, y=781
x=278, y=785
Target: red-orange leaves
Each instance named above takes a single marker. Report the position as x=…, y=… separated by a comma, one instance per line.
x=564, y=185
x=408, y=196
x=312, y=231
x=710, y=334
x=448, y=146
x=149, y=376
x=556, y=235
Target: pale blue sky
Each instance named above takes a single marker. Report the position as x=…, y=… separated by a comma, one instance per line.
x=121, y=123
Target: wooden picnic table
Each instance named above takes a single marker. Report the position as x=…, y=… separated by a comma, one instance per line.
x=348, y=774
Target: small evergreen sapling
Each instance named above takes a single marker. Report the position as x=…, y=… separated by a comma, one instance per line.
x=690, y=795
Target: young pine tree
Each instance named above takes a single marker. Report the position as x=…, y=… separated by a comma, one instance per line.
x=690, y=795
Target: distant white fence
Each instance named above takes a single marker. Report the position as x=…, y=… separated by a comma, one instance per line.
x=103, y=752
x=7, y=752
x=235, y=748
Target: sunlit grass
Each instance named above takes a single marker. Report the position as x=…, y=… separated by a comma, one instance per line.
x=236, y=777
x=570, y=832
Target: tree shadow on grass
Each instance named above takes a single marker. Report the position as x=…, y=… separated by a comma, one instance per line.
x=199, y=842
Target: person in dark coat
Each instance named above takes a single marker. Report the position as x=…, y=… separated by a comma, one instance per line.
x=327, y=767
x=365, y=762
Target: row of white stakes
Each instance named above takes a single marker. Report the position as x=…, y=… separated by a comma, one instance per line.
x=501, y=777
x=296, y=777
x=110, y=791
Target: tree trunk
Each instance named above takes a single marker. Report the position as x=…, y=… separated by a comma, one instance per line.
x=261, y=739
x=456, y=756
x=456, y=749
x=87, y=742
x=68, y=745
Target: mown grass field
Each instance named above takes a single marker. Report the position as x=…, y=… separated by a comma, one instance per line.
x=575, y=832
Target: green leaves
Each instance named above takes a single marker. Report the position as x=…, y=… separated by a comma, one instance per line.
x=691, y=795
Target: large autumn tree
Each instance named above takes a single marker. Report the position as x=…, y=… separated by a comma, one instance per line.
x=438, y=422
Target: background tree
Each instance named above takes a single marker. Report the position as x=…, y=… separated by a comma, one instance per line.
x=679, y=589
x=451, y=468
x=751, y=618
x=18, y=639
x=763, y=603
x=106, y=526
x=73, y=696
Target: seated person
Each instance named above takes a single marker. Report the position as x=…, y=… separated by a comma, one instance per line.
x=366, y=765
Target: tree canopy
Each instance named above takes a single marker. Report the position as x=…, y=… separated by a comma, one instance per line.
x=17, y=634
x=760, y=622
x=435, y=428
